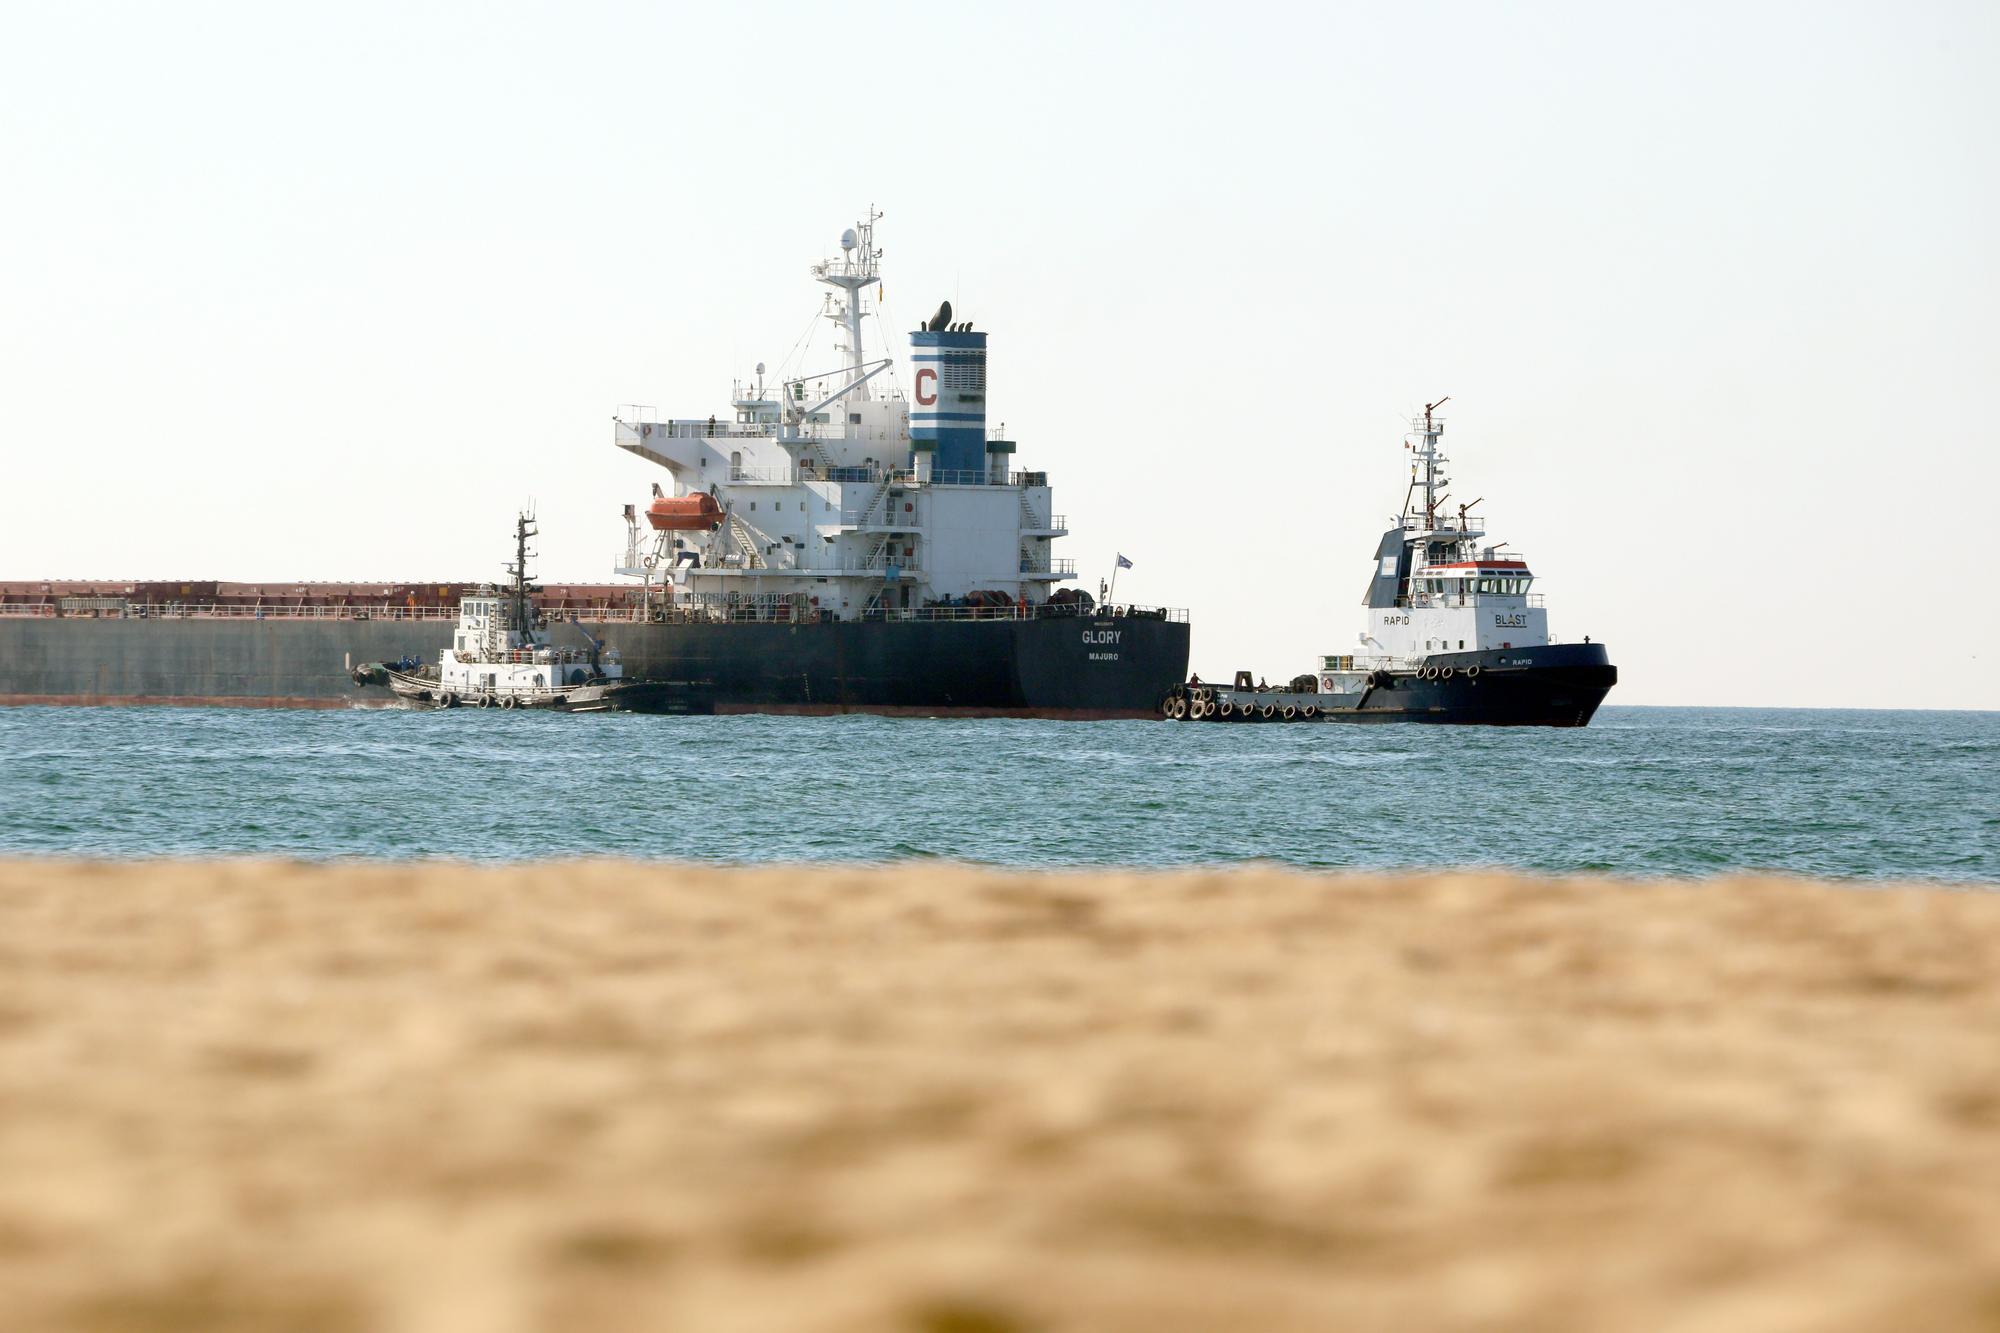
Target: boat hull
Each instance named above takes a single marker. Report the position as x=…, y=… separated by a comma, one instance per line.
x=1058, y=666
x=1564, y=695
x=1551, y=685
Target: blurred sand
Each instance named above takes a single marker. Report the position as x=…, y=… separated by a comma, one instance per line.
x=266, y=1096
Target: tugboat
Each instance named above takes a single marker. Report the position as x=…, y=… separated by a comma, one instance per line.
x=1453, y=633
x=502, y=657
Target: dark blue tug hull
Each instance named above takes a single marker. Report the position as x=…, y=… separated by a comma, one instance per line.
x=1552, y=685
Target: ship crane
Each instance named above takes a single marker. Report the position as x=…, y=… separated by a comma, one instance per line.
x=868, y=370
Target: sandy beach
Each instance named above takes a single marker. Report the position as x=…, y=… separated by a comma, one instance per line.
x=270, y=1096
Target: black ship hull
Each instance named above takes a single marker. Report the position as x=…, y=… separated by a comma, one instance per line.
x=1555, y=685
x=1551, y=685
x=1053, y=666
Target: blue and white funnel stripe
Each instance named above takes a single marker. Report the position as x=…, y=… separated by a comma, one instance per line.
x=948, y=414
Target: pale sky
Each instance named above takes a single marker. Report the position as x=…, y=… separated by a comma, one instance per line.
x=328, y=293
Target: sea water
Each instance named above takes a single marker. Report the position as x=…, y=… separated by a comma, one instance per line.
x=1642, y=791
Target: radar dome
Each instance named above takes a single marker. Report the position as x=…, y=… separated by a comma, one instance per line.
x=848, y=240
x=760, y=367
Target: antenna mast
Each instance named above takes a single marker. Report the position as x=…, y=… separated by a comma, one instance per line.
x=854, y=270
x=524, y=528
x=1432, y=479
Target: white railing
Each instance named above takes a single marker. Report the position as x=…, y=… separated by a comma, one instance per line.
x=1032, y=611
x=897, y=519
x=1489, y=554
x=595, y=615
x=879, y=565
x=1469, y=527
x=234, y=611
x=1461, y=600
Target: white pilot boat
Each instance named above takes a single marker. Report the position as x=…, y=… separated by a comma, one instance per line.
x=501, y=656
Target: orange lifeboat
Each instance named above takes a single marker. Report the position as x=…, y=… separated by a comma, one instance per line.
x=684, y=513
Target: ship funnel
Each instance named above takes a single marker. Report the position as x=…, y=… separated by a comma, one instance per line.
x=948, y=418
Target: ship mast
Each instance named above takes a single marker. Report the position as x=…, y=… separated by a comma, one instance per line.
x=854, y=270
x=521, y=591
x=1429, y=474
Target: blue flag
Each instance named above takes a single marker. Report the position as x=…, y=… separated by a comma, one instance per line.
x=1123, y=563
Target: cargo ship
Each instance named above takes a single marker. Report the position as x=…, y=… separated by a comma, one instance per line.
x=826, y=544
x=1452, y=632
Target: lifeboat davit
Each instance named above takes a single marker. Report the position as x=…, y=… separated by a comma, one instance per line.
x=684, y=513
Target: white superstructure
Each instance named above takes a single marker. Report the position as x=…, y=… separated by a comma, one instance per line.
x=1438, y=587
x=813, y=495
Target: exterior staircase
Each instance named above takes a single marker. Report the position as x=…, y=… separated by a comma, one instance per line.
x=753, y=557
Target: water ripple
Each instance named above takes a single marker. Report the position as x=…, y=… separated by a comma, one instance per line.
x=1644, y=790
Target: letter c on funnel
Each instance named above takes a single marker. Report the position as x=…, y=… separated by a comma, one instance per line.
x=926, y=397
